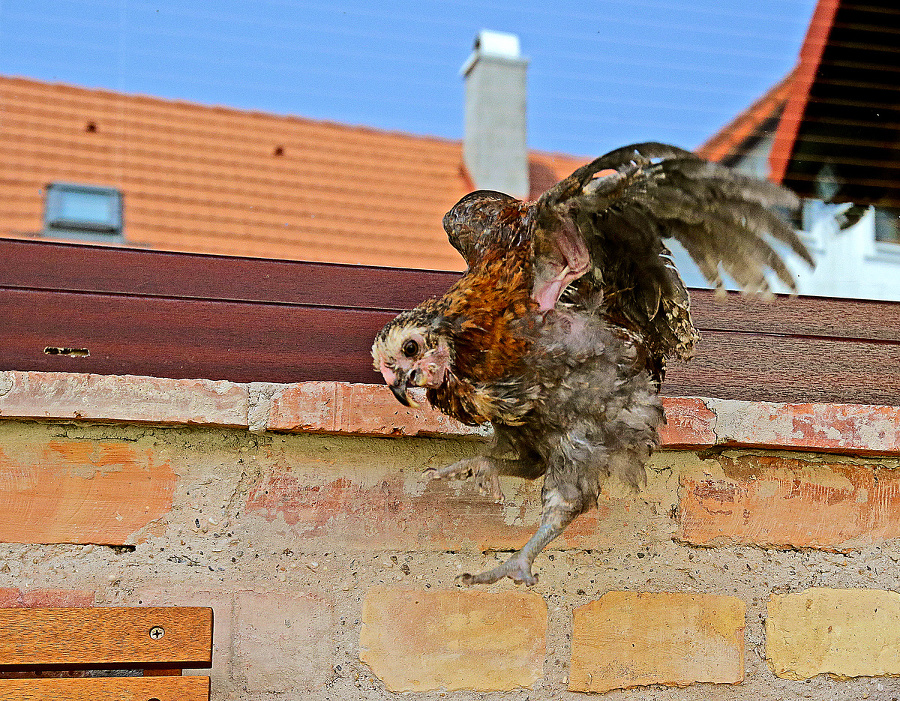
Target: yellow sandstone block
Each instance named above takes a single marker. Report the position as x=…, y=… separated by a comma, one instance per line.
x=418, y=640
x=628, y=639
x=842, y=632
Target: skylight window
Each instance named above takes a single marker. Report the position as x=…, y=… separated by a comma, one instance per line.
x=83, y=212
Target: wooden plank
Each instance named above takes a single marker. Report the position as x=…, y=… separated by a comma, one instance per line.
x=797, y=316
x=285, y=343
x=68, y=267
x=90, y=638
x=757, y=367
x=247, y=320
x=106, y=689
x=241, y=342
x=103, y=269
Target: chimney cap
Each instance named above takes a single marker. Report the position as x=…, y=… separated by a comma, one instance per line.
x=491, y=43
x=488, y=42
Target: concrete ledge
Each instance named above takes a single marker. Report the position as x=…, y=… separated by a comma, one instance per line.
x=122, y=398
x=371, y=410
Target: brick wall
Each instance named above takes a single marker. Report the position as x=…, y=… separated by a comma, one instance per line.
x=761, y=561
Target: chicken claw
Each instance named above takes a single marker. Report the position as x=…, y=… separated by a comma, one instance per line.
x=482, y=469
x=517, y=568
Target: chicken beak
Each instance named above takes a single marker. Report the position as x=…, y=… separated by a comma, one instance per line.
x=402, y=393
x=398, y=382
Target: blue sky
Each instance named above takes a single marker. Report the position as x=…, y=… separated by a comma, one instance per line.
x=601, y=74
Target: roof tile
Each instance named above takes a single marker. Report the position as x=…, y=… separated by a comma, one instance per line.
x=212, y=179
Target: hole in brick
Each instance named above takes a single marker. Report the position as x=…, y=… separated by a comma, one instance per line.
x=121, y=549
x=71, y=352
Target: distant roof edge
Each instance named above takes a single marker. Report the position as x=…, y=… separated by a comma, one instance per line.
x=732, y=139
x=211, y=107
x=839, y=135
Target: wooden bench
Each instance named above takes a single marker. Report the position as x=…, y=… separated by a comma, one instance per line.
x=160, y=642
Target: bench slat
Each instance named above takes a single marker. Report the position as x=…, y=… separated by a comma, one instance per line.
x=106, y=689
x=71, y=638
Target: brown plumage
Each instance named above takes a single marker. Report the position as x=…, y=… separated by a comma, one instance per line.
x=558, y=332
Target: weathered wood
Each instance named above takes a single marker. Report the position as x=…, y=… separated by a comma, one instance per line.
x=92, y=638
x=84, y=268
x=195, y=316
x=106, y=689
x=100, y=269
x=758, y=367
x=186, y=338
x=40, y=265
x=825, y=317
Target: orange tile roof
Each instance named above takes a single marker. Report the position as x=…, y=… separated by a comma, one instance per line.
x=731, y=139
x=220, y=180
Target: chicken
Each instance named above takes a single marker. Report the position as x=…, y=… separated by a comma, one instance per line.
x=558, y=333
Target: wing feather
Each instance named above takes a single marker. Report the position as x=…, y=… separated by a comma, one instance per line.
x=625, y=203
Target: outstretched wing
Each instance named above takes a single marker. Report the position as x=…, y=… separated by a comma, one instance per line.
x=609, y=218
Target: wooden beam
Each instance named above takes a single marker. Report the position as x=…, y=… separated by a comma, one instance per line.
x=106, y=689
x=92, y=638
x=797, y=369
x=91, y=309
x=44, y=265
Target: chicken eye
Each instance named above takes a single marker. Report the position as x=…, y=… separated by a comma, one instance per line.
x=410, y=348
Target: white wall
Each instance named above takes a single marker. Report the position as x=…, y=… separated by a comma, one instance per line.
x=849, y=263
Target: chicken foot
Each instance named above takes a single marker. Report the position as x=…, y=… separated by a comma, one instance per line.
x=518, y=567
x=557, y=516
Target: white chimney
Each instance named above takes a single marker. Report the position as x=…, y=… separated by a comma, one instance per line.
x=495, y=148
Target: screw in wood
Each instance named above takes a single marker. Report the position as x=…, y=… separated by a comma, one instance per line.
x=156, y=632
